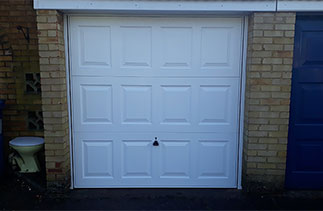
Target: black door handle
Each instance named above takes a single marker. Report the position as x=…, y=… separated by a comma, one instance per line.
x=155, y=142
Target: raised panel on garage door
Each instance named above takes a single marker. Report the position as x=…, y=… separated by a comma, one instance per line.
x=172, y=105
x=156, y=46
x=131, y=160
x=155, y=101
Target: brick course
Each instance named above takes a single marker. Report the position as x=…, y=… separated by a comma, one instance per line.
x=268, y=85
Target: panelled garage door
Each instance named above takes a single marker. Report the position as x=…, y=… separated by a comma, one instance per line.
x=155, y=101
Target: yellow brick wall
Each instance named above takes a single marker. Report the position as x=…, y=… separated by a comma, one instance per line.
x=268, y=86
x=54, y=95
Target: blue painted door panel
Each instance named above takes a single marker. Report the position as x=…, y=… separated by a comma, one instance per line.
x=305, y=140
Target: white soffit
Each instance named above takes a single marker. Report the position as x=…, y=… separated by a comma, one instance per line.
x=158, y=5
x=300, y=5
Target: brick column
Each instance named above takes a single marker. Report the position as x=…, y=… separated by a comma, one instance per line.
x=269, y=68
x=54, y=95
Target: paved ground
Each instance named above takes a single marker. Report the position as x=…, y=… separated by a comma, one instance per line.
x=20, y=192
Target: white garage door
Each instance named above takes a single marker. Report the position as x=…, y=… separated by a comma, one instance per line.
x=155, y=101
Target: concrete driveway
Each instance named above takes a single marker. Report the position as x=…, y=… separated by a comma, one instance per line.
x=19, y=192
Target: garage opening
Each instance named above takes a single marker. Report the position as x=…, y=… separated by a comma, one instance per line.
x=155, y=101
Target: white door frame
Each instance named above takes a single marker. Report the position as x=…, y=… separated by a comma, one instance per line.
x=243, y=61
x=242, y=98
x=69, y=95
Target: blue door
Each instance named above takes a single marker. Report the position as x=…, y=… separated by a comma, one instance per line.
x=305, y=140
